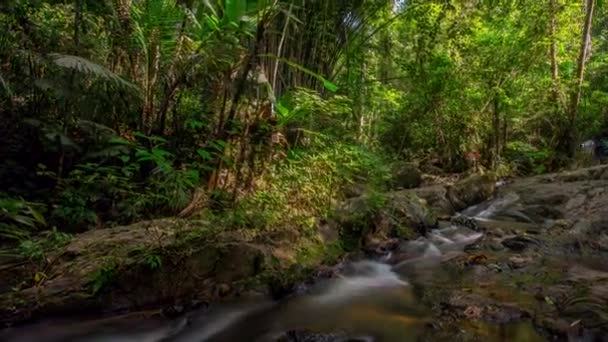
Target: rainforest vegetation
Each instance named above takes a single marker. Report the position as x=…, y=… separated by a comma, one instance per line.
x=255, y=115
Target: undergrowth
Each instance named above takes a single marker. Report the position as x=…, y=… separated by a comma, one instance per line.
x=308, y=184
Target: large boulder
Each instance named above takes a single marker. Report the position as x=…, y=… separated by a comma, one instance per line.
x=471, y=191
x=140, y=265
x=406, y=176
x=371, y=218
x=436, y=197
x=570, y=195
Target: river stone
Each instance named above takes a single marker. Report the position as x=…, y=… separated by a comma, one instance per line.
x=372, y=218
x=436, y=197
x=519, y=261
x=470, y=191
x=115, y=260
x=581, y=227
x=406, y=176
x=518, y=243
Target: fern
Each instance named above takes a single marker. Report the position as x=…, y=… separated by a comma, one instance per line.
x=5, y=85
x=85, y=66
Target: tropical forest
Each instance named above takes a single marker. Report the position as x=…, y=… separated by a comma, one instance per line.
x=303, y=170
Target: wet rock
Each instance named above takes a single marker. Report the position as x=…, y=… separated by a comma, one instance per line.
x=112, y=269
x=576, y=202
x=519, y=243
x=470, y=191
x=407, y=176
x=561, y=224
x=304, y=336
x=475, y=306
x=372, y=218
x=515, y=245
x=602, y=243
x=496, y=246
x=381, y=248
x=517, y=261
x=581, y=227
x=467, y=222
x=436, y=197
x=539, y=213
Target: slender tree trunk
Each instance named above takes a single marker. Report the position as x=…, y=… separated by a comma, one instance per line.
x=505, y=127
x=575, y=98
x=496, y=132
x=554, y=64
x=280, y=50
x=223, y=131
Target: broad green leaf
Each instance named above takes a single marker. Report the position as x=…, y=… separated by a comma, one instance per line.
x=326, y=83
x=283, y=111
x=86, y=66
x=37, y=216
x=235, y=9
x=330, y=86
x=204, y=154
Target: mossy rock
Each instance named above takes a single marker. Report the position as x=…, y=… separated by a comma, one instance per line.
x=471, y=191
x=376, y=217
x=163, y=262
x=436, y=197
x=406, y=176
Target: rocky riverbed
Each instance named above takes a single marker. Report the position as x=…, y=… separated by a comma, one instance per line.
x=536, y=270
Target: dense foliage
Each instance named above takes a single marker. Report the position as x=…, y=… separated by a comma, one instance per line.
x=263, y=111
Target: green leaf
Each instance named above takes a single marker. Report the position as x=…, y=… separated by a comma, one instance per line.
x=218, y=144
x=37, y=215
x=83, y=65
x=330, y=86
x=235, y=9
x=150, y=138
x=204, y=154
x=326, y=83
x=26, y=221
x=283, y=111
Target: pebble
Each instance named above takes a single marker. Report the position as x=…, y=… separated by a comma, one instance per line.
x=517, y=261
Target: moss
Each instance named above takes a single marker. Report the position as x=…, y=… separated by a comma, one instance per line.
x=104, y=275
x=405, y=232
x=333, y=252
x=313, y=254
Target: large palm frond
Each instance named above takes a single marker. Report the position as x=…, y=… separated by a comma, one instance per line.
x=86, y=66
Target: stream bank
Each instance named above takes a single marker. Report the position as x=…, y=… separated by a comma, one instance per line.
x=181, y=264
x=538, y=273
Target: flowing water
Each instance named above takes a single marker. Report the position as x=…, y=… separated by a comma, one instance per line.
x=369, y=300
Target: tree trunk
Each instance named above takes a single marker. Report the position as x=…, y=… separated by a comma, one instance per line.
x=496, y=131
x=554, y=64
x=275, y=73
x=505, y=127
x=580, y=74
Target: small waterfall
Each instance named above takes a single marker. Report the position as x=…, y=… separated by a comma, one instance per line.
x=430, y=250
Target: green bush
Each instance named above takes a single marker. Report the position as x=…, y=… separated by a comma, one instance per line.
x=309, y=183
x=528, y=159
x=137, y=180
x=19, y=218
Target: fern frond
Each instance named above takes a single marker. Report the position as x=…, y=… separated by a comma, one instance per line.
x=85, y=66
x=6, y=87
